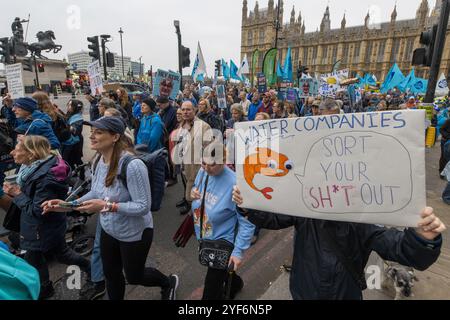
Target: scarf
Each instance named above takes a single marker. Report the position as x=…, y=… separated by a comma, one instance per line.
x=26, y=171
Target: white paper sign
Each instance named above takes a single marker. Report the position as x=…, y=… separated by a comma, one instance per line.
x=95, y=78
x=364, y=168
x=15, y=80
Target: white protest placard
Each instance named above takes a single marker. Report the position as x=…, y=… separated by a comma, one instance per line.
x=95, y=78
x=363, y=168
x=15, y=80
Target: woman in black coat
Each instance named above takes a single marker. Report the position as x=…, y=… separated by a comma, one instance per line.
x=42, y=177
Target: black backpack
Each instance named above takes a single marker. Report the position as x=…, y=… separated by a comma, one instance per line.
x=156, y=166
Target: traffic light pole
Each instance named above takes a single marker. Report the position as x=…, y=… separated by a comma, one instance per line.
x=104, y=58
x=438, y=51
x=38, y=85
x=180, y=57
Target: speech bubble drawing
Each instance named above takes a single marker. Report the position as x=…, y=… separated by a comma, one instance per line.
x=349, y=173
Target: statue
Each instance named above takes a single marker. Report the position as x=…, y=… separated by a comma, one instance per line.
x=45, y=43
x=17, y=30
x=20, y=48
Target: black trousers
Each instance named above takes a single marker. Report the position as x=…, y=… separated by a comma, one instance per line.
x=216, y=284
x=129, y=257
x=63, y=254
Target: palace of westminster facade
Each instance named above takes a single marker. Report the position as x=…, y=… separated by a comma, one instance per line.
x=366, y=48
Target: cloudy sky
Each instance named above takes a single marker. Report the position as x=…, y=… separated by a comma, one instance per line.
x=149, y=30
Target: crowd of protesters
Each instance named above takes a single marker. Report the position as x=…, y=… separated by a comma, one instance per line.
x=48, y=143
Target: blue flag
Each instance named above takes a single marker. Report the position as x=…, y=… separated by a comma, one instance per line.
x=361, y=82
x=394, y=78
x=280, y=72
x=288, y=73
x=419, y=86
x=369, y=80
x=408, y=82
x=225, y=70
x=234, y=71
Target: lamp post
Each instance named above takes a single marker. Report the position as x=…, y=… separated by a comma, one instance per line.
x=121, y=48
x=140, y=67
x=176, y=23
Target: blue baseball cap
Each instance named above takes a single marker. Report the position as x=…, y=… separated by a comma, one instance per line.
x=113, y=124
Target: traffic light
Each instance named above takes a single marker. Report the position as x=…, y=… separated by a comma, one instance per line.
x=110, y=63
x=219, y=67
x=94, y=47
x=424, y=56
x=5, y=51
x=185, y=57
x=28, y=64
x=41, y=67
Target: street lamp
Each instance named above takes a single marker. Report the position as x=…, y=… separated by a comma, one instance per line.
x=140, y=67
x=121, y=48
x=176, y=23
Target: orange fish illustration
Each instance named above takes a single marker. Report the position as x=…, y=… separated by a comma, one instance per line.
x=207, y=227
x=268, y=163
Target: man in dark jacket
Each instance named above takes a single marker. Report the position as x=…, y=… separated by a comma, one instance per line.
x=319, y=271
x=167, y=113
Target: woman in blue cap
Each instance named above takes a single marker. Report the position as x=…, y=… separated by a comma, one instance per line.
x=32, y=122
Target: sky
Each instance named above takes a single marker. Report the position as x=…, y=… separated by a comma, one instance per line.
x=149, y=31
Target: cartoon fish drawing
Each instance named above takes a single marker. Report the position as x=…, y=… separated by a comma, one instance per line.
x=268, y=163
x=207, y=227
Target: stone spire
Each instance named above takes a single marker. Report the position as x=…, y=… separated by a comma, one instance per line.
x=293, y=16
x=256, y=11
x=303, y=27
x=367, y=20
x=299, y=21
x=394, y=14
x=422, y=12
x=244, y=10
x=343, y=22
x=326, y=22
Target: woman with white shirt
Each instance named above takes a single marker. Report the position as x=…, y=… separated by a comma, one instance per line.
x=126, y=219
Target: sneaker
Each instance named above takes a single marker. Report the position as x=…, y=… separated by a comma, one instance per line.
x=93, y=291
x=181, y=203
x=254, y=240
x=47, y=291
x=169, y=293
x=185, y=210
x=171, y=182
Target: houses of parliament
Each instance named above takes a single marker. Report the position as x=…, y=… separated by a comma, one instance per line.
x=366, y=48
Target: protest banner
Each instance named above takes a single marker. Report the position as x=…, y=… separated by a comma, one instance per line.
x=262, y=83
x=291, y=95
x=95, y=78
x=308, y=87
x=363, y=168
x=282, y=91
x=15, y=80
x=166, y=84
x=221, y=97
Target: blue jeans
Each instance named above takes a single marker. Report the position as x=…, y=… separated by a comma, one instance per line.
x=96, y=259
x=446, y=194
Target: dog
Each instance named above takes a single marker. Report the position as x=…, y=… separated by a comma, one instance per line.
x=401, y=279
